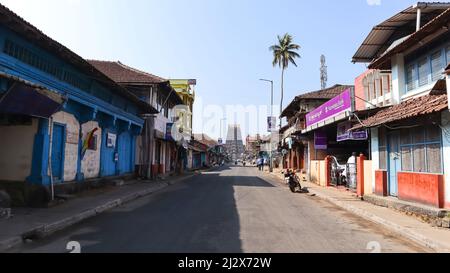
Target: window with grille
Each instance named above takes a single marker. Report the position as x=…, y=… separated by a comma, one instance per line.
x=436, y=66
x=411, y=76
x=421, y=149
x=382, y=148
x=27, y=56
x=423, y=71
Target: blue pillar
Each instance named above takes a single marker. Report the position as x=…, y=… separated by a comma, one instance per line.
x=133, y=153
x=80, y=174
x=39, y=167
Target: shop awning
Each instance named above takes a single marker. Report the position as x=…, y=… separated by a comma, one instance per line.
x=24, y=98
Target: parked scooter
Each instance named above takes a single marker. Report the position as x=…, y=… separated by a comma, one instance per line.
x=339, y=172
x=293, y=181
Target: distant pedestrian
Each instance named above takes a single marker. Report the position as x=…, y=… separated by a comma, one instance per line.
x=259, y=163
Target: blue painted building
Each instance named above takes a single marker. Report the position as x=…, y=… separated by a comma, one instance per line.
x=61, y=120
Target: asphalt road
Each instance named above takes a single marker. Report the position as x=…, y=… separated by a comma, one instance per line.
x=233, y=210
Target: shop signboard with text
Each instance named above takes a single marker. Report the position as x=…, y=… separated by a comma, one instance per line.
x=344, y=132
x=320, y=140
x=332, y=108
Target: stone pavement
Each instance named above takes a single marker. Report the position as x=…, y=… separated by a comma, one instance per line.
x=30, y=223
x=437, y=239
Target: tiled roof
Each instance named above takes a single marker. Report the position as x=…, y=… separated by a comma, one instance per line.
x=126, y=75
x=205, y=139
x=327, y=93
x=411, y=108
x=121, y=73
x=324, y=94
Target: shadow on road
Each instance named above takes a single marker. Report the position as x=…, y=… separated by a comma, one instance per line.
x=199, y=215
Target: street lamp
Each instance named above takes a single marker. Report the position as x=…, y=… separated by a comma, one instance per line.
x=271, y=115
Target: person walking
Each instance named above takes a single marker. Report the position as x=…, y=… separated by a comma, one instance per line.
x=259, y=163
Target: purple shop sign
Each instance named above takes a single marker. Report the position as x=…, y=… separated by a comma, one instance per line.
x=320, y=140
x=344, y=133
x=331, y=108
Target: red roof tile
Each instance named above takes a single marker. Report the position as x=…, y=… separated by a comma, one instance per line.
x=411, y=108
x=205, y=139
x=121, y=73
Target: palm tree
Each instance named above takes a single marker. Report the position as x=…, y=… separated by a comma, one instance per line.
x=284, y=52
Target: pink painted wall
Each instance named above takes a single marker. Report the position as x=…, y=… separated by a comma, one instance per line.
x=359, y=91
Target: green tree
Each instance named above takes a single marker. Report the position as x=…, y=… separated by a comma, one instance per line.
x=284, y=53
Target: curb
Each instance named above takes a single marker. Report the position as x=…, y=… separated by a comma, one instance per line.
x=393, y=227
x=46, y=230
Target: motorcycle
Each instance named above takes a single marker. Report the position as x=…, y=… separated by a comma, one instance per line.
x=293, y=182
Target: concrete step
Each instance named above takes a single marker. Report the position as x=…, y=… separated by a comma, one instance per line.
x=416, y=209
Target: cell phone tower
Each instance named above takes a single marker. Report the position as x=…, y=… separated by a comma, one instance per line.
x=323, y=72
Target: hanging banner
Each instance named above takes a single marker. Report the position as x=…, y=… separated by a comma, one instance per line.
x=344, y=133
x=169, y=136
x=271, y=124
x=320, y=140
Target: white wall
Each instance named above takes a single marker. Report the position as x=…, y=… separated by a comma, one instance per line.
x=398, y=78
x=90, y=165
x=375, y=154
x=72, y=138
x=16, y=151
x=446, y=152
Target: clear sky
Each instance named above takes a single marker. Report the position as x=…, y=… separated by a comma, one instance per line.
x=221, y=43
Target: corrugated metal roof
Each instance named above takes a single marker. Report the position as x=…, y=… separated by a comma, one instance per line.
x=398, y=26
x=418, y=39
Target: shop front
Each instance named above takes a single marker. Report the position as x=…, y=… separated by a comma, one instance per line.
x=408, y=150
x=330, y=140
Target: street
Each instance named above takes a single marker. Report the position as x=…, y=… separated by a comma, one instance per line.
x=234, y=209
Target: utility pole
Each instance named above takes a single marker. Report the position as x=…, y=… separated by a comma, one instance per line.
x=270, y=129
